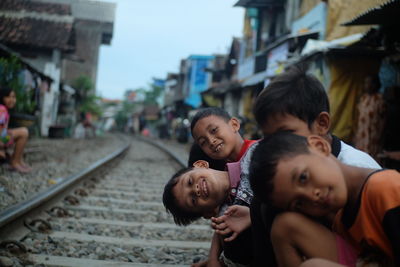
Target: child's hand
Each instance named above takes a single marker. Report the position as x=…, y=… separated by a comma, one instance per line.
x=207, y=263
x=235, y=219
x=390, y=154
x=200, y=264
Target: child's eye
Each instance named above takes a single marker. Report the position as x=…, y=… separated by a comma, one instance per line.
x=303, y=178
x=214, y=130
x=190, y=182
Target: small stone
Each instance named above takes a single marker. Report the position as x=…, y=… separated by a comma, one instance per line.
x=6, y=262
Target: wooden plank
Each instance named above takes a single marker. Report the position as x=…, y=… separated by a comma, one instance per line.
x=131, y=241
x=79, y=262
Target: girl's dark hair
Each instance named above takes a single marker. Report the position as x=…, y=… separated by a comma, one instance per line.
x=266, y=157
x=206, y=112
x=181, y=217
x=4, y=91
x=293, y=92
x=196, y=153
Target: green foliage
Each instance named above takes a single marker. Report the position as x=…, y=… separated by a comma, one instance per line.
x=91, y=104
x=128, y=107
x=126, y=111
x=10, y=69
x=83, y=86
x=152, y=95
x=86, y=100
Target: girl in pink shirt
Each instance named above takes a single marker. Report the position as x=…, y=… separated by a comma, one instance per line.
x=17, y=136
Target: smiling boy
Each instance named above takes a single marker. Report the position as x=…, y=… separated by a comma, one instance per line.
x=299, y=174
x=200, y=191
x=217, y=134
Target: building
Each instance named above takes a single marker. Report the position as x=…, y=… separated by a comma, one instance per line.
x=93, y=27
x=61, y=39
x=41, y=34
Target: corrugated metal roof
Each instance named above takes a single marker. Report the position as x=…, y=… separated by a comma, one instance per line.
x=386, y=13
x=4, y=50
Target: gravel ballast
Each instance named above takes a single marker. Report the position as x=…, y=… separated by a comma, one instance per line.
x=52, y=160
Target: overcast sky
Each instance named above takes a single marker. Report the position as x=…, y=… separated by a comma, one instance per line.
x=151, y=36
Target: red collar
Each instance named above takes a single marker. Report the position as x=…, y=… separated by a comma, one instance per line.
x=245, y=146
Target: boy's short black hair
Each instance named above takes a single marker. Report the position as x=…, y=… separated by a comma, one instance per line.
x=196, y=153
x=293, y=92
x=206, y=112
x=266, y=156
x=181, y=217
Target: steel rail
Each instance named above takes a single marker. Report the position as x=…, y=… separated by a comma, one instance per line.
x=23, y=208
x=165, y=149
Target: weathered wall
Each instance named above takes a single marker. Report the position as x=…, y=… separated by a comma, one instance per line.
x=88, y=41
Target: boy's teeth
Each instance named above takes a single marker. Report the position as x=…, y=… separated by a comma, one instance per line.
x=205, y=191
x=218, y=148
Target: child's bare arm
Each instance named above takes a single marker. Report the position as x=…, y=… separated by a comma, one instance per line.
x=235, y=220
x=320, y=263
x=390, y=154
x=215, y=251
x=213, y=255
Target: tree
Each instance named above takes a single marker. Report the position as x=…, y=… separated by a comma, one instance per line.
x=86, y=100
x=10, y=70
x=152, y=95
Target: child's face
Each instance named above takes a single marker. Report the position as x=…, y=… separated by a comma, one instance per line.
x=200, y=191
x=287, y=122
x=312, y=184
x=216, y=137
x=9, y=101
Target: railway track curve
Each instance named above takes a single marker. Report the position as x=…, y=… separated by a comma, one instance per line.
x=109, y=214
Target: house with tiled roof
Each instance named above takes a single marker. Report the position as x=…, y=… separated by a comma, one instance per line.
x=60, y=38
x=93, y=27
x=41, y=34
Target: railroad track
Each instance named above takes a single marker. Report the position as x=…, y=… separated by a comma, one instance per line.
x=108, y=215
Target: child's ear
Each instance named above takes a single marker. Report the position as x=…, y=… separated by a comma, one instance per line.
x=201, y=164
x=322, y=124
x=319, y=143
x=235, y=124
